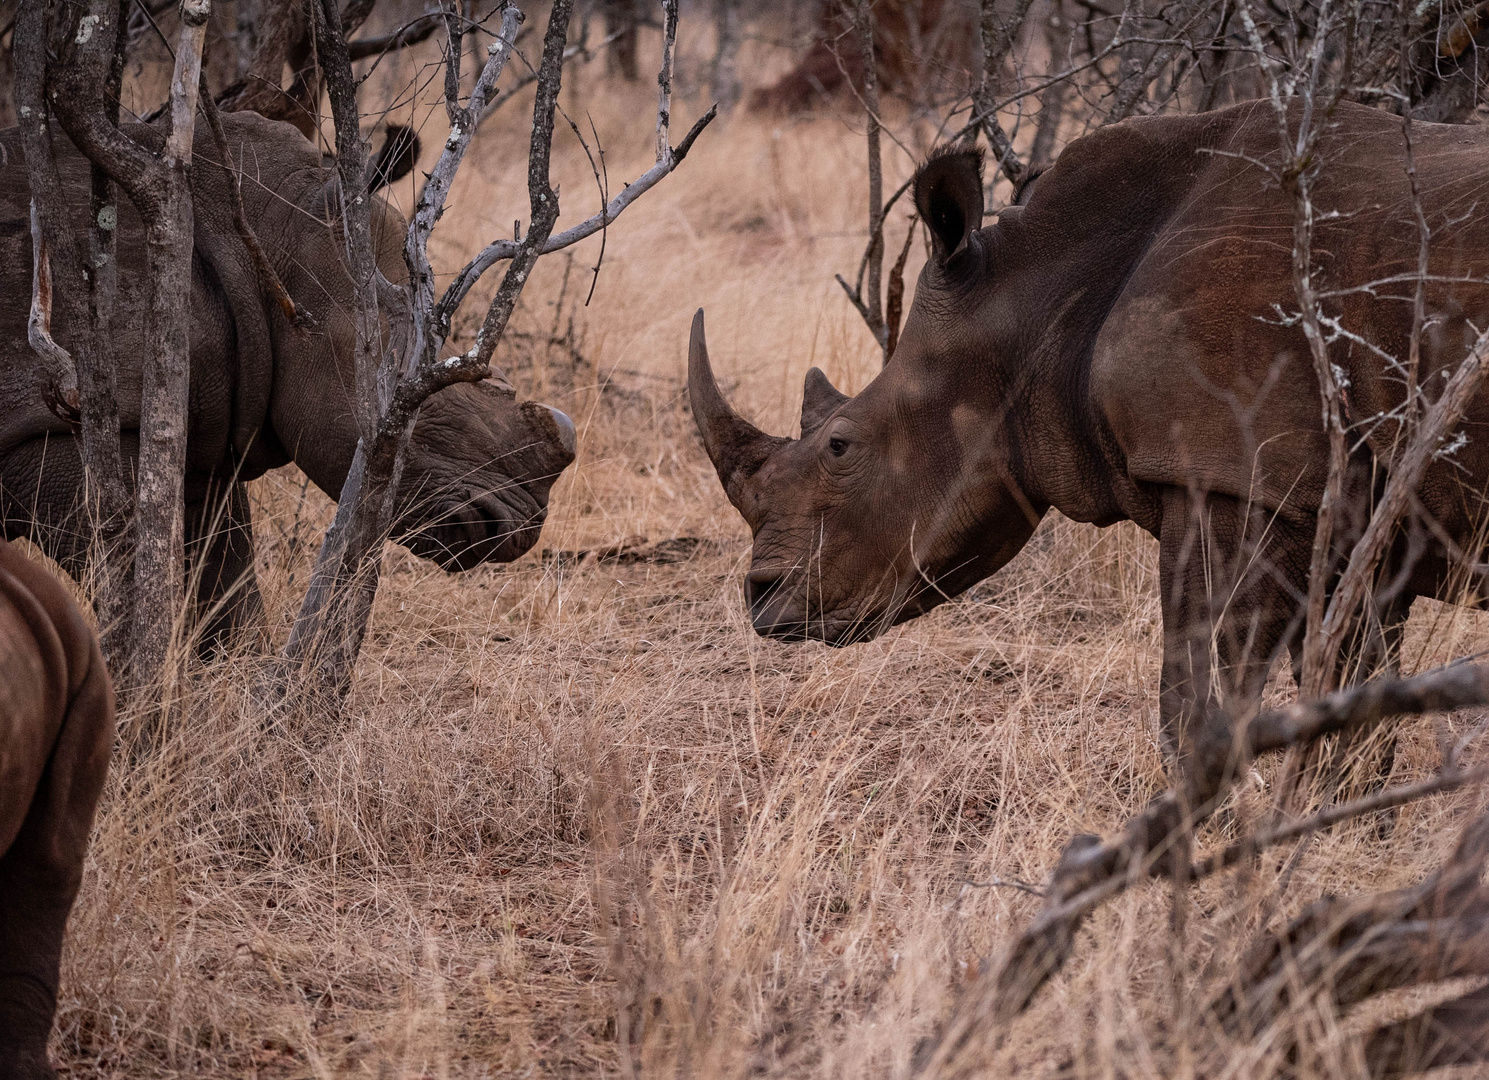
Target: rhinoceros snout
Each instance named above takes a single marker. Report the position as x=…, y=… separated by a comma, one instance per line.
x=478, y=529
x=769, y=602
x=782, y=610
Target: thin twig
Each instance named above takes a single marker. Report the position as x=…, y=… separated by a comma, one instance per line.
x=1448, y=780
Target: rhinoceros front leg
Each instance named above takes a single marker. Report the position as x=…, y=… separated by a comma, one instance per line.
x=41, y=500
x=220, y=537
x=1232, y=583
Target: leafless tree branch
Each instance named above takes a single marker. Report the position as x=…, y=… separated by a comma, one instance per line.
x=501, y=250
x=1090, y=872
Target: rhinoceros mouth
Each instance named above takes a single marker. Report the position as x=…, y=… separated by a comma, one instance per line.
x=464, y=533
x=784, y=613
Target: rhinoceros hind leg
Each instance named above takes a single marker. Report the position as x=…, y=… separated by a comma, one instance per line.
x=40, y=485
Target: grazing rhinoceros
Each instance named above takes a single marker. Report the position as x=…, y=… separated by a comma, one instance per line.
x=1119, y=349
x=56, y=730
x=263, y=393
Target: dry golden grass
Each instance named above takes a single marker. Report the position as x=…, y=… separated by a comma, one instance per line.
x=579, y=819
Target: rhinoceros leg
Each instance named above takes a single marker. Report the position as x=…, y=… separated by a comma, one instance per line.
x=41, y=482
x=220, y=534
x=1231, y=583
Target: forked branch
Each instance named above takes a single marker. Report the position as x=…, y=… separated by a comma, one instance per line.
x=668, y=158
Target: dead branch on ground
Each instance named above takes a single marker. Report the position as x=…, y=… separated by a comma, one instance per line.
x=1090, y=872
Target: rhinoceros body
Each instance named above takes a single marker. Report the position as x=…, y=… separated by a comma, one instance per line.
x=263, y=392
x=56, y=730
x=1123, y=346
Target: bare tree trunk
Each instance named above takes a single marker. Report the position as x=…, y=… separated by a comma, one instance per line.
x=724, y=77
x=158, y=187
x=159, y=562
x=263, y=41
x=999, y=35
x=53, y=239
x=113, y=554
x=1057, y=35
x=274, y=34
x=107, y=496
x=880, y=315
x=623, y=27
x=863, y=24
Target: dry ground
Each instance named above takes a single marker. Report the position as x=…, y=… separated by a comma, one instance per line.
x=579, y=819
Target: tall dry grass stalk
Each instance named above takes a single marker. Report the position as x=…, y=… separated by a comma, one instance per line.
x=579, y=819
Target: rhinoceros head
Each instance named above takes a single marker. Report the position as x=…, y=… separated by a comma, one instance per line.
x=480, y=463
x=895, y=500
x=480, y=466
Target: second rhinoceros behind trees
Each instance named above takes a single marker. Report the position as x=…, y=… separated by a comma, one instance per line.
x=263, y=392
x=1120, y=348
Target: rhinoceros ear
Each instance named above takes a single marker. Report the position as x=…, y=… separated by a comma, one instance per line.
x=948, y=194
x=396, y=159
x=819, y=400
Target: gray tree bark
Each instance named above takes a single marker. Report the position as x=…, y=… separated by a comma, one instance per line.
x=724, y=76
x=159, y=561
x=999, y=34
x=157, y=186
x=107, y=495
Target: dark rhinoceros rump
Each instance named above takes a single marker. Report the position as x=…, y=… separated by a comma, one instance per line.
x=263, y=392
x=56, y=729
x=1114, y=350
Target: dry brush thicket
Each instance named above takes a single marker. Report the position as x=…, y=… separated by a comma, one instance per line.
x=577, y=818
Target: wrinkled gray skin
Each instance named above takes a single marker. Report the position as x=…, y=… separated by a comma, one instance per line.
x=1112, y=350
x=263, y=393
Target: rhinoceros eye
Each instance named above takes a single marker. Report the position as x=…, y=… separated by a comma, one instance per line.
x=838, y=446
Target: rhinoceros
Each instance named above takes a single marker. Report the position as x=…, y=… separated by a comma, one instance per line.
x=263, y=391
x=56, y=730
x=1122, y=346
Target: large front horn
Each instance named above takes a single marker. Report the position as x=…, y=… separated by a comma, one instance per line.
x=736, y=447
